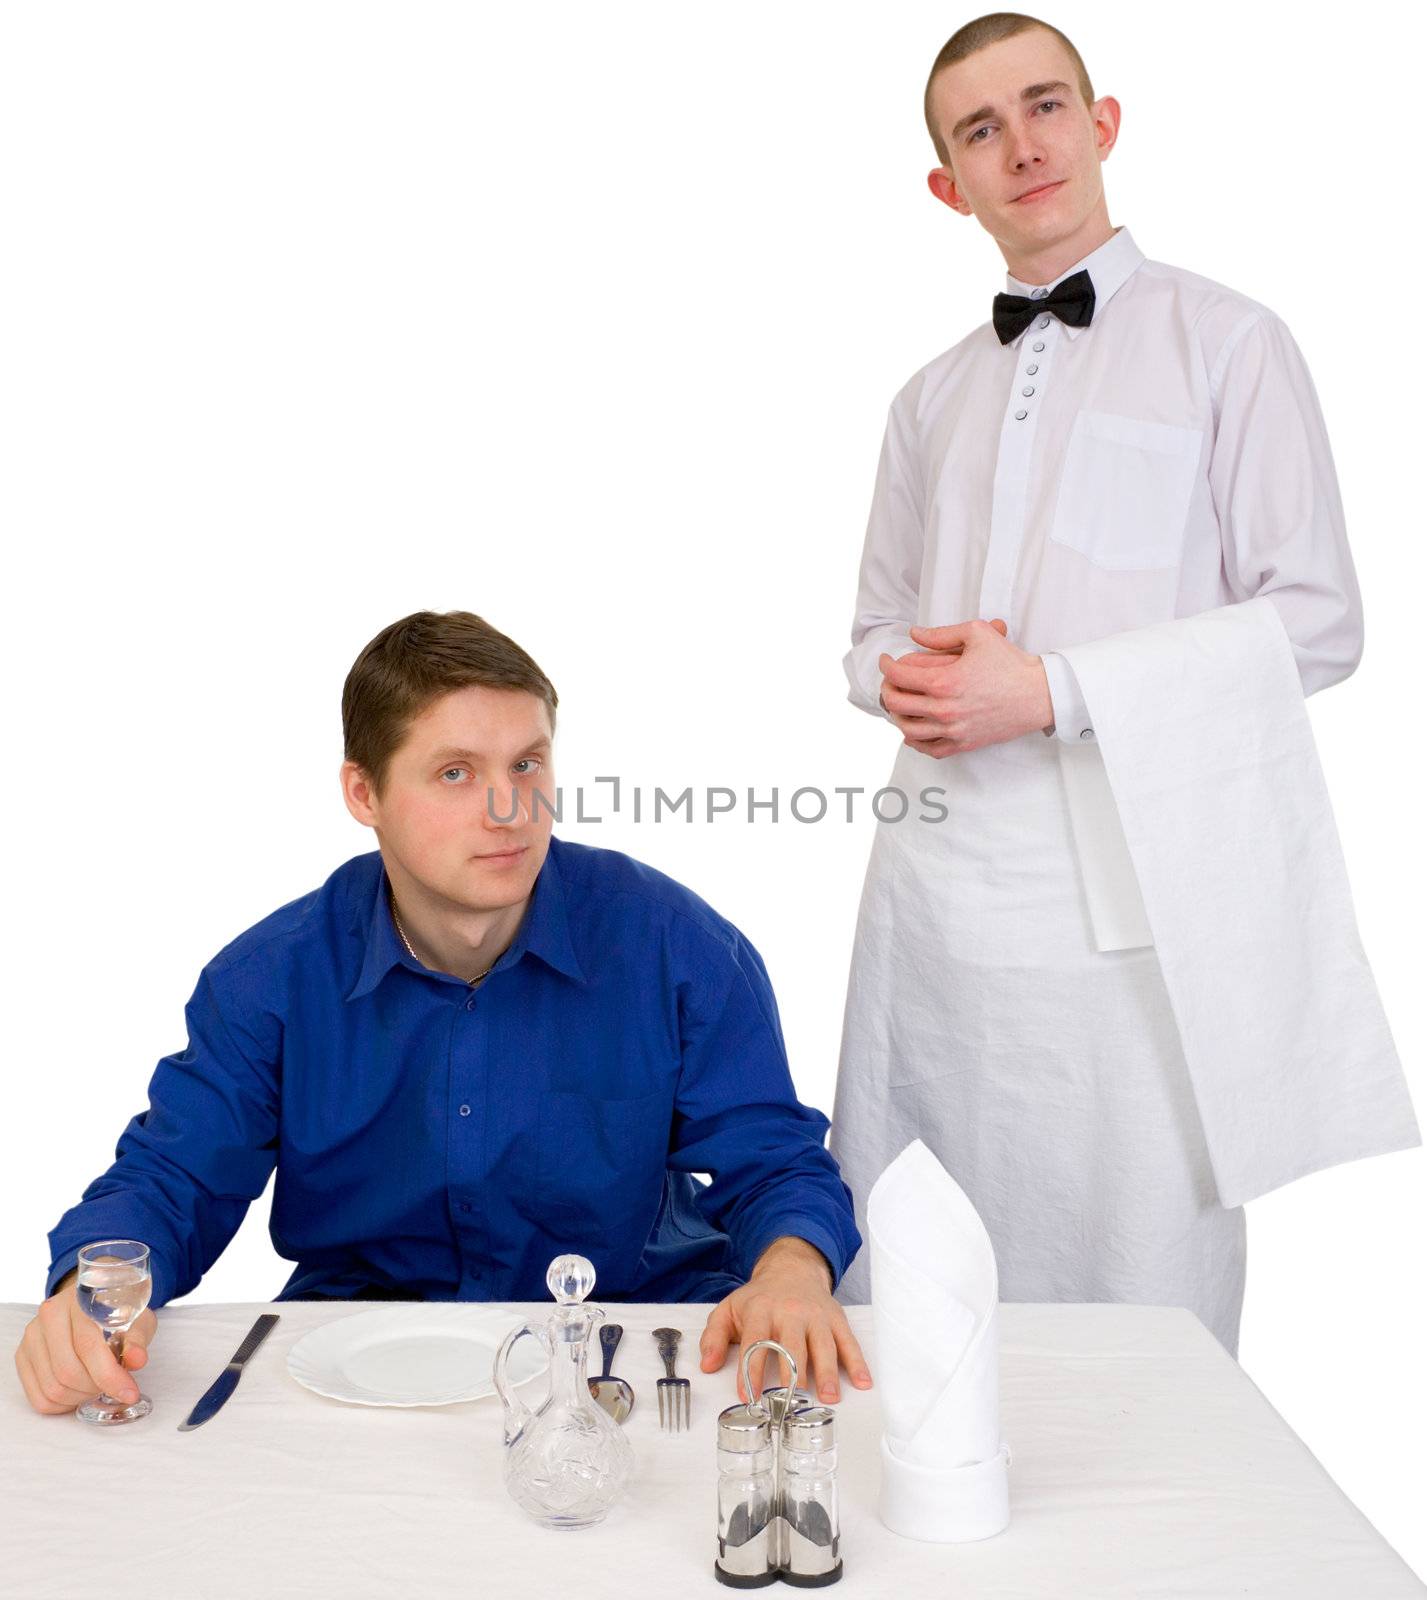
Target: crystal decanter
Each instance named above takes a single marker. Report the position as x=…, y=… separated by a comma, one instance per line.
x=567, y=1461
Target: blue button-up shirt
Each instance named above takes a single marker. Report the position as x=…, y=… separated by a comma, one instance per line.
x=445, y=1143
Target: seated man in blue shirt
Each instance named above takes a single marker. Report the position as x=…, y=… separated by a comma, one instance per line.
x=468, y=1052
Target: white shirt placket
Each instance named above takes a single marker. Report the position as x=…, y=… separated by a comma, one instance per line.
x=1035, y=350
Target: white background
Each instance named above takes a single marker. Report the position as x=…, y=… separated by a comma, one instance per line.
x=586, y=318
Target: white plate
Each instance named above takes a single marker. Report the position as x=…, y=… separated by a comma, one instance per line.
x=413, y=1356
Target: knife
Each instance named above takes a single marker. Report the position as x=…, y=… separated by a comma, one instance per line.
x=227, y=1380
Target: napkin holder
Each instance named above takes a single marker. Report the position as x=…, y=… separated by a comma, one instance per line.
x=945, y=1505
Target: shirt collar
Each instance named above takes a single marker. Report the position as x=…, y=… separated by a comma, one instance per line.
x=544, y=932
x=1109, y=266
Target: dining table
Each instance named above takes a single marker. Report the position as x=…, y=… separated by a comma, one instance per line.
x=1144, y=1463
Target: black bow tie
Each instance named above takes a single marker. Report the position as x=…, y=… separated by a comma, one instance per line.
x=1072, y=300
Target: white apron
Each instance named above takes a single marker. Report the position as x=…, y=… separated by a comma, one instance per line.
x=1045, y=1074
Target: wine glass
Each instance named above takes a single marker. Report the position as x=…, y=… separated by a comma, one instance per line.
x=113, y=1288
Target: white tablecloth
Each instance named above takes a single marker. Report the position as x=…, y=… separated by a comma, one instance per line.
x=1145, y=1463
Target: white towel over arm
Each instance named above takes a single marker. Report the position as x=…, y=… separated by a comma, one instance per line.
x=1204, y=735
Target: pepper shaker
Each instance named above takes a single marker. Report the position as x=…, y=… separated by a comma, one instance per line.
x=807, y=1469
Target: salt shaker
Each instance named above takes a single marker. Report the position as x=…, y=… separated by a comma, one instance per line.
x=807, y=1470
x=747, y=1551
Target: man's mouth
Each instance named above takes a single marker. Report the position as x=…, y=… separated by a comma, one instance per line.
x=1038, y=193
x=496, y=857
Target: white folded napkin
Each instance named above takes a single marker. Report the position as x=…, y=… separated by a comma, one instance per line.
x=1214, y=820
x=934, y=1293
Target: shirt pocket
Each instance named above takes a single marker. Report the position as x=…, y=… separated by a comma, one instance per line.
x=1125, y=490
x=603, y=1159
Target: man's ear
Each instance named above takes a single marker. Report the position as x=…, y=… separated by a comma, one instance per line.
x=943, y=186
x=1105, y=117
x=357, y=791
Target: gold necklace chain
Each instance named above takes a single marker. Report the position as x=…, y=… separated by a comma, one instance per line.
x=391, y=898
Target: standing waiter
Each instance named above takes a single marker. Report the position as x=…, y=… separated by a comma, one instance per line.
x=1119, y=989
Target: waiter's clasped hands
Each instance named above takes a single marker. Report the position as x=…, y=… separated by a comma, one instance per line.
x=968, y=686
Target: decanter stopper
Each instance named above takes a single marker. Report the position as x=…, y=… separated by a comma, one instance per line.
x=570, y=1279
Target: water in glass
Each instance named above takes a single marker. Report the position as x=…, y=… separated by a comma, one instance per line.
x=113, y=1288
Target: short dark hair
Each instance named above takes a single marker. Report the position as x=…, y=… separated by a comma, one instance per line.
x=414, y=662
x=976, y=35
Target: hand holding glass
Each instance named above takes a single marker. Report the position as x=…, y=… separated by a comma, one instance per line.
x=113, y=1288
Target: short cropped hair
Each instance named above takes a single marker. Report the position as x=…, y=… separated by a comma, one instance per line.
x=976, y=35
x=414, y=662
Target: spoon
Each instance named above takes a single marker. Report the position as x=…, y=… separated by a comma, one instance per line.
x=611, y=1394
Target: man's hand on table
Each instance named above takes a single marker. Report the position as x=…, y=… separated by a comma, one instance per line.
x=63, y=1358
x=967, y=687
x=788, y=1298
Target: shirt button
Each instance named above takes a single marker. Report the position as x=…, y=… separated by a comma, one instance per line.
x=465, y=1205
x=471, y=1003
x=1043, y=323
x=1020, y=416
x=1087, y=733
x=1028, y=392
x=1032, y=370
x=1039, y=345
x=466, y=1110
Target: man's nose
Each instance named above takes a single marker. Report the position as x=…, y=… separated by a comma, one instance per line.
x=1026, y=152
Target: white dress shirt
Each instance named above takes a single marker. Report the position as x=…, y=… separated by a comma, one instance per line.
x=1165, y=459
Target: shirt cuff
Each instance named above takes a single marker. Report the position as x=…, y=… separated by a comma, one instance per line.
x=804, y=1228
x=902, y=645
x=66, y=1263
x=1072, y=718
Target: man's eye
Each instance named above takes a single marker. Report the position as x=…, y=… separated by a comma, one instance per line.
x=1045, y=103
x=457, y=772
x=528, y=765
x=976, y=136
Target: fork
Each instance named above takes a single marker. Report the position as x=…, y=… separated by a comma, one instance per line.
x=675, y=1399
